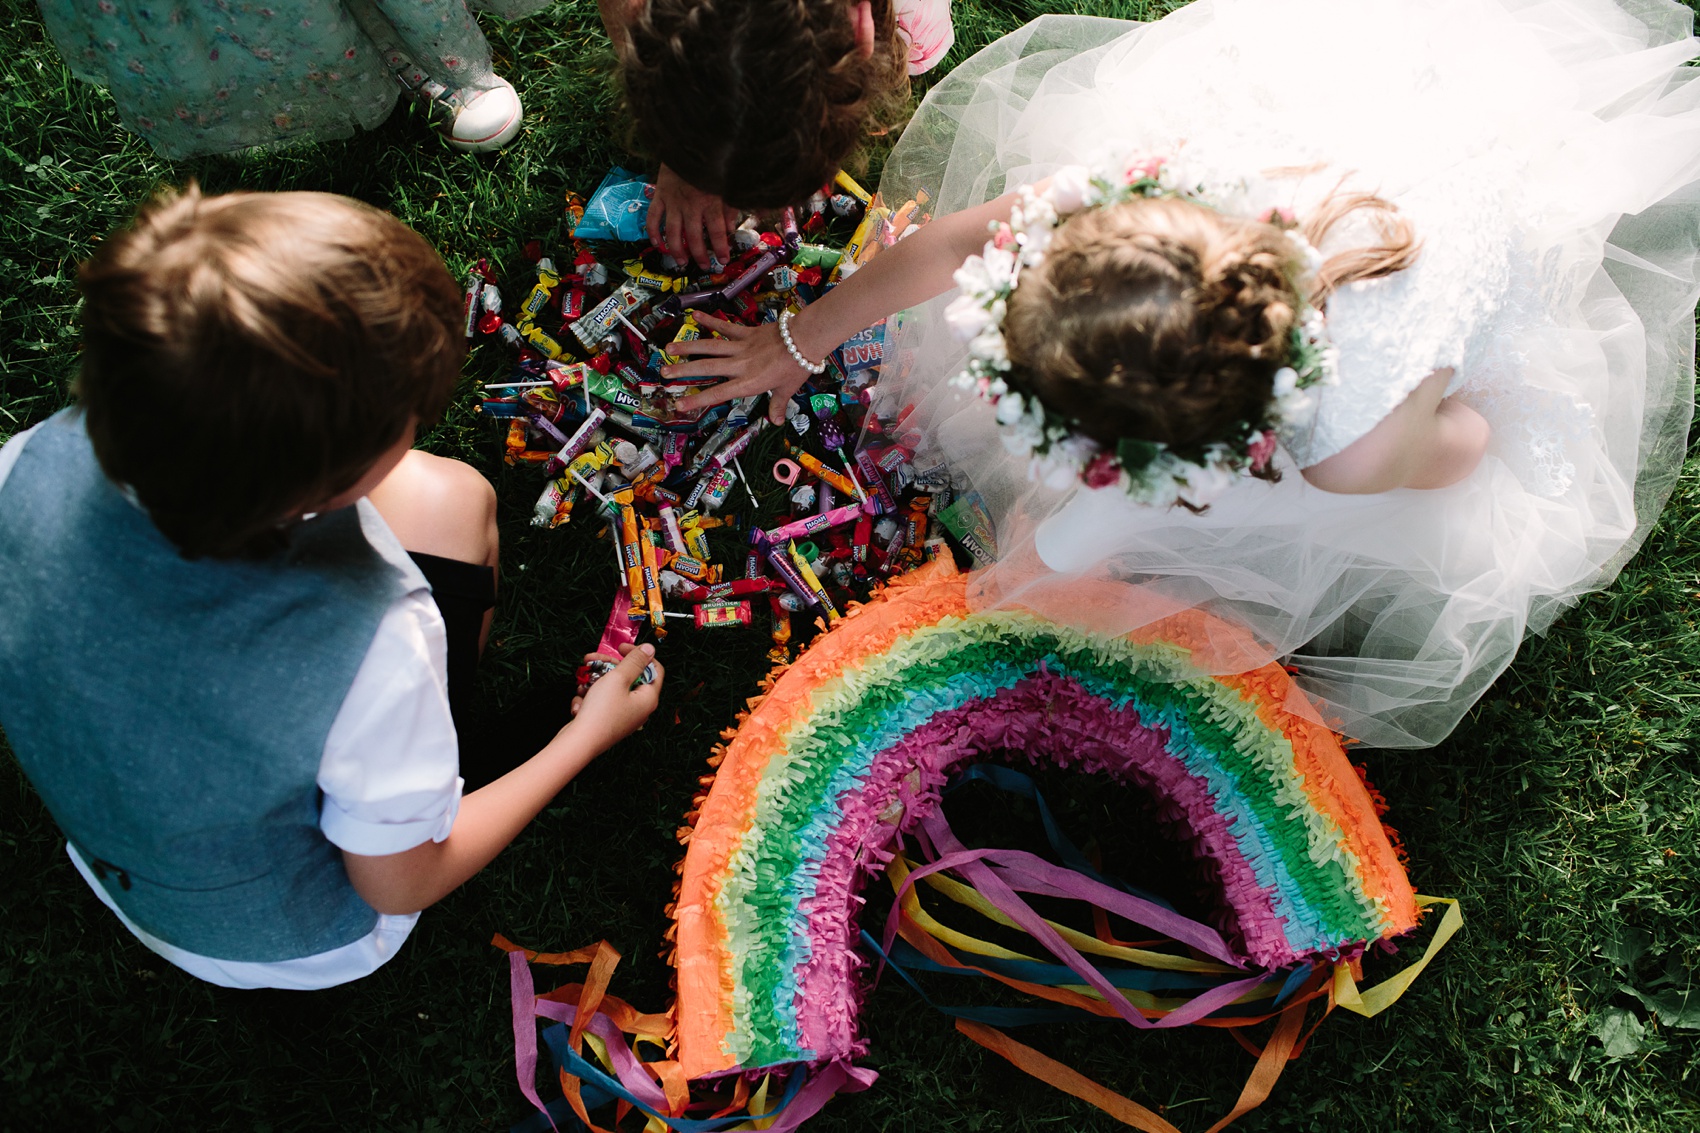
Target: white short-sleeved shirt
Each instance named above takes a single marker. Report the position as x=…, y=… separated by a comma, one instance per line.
x=390, y=772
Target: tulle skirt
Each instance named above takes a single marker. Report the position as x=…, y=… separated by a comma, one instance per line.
x=1396, y=610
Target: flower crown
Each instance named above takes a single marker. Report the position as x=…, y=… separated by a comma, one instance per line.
x=1059, y=454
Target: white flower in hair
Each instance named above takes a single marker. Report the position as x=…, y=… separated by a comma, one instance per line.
x=1008, y=409
x=1313, y=259
x=1057, y=475
x=1000, y=269
x=968, y=317
x=1173, y=176
x=1029, y=427
x=1069, y=187
x=983, y=277
x=1206, y=482
x=990, y=347
x=1072, y=452
x=1059, y=454
x=1035, y=242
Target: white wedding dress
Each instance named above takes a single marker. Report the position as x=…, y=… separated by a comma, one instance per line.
x=1547, y=154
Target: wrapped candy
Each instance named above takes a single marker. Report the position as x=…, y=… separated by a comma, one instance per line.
x=618, y=210
x=713, y=615
x=614, y=412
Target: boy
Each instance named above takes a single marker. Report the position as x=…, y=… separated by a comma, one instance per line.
x=219, y=666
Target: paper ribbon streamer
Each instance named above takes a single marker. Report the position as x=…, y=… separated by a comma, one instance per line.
x=585, y=1014
x=922, y=946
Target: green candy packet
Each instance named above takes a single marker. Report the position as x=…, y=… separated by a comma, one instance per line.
x=969, y=521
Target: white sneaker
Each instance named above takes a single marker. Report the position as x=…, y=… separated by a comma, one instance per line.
x=488, y=122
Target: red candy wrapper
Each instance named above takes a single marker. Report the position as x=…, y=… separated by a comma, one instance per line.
x=717, y=615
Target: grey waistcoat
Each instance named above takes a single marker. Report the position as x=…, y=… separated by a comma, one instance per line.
x=173, y=713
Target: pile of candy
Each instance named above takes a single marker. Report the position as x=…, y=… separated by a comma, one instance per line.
x=588, y=403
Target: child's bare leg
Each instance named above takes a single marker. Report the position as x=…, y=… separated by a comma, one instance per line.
x=441, y=507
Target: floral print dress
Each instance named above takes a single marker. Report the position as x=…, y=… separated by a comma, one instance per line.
x=211, y=76
x=925, y=25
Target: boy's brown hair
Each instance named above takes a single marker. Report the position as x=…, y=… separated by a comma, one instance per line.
x=247, y=357
x=759, y=101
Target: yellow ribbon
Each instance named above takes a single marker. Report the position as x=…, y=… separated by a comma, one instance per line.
x=971, y=898
x=758, y=1107
x=1371, y=1001
x=1347, y=994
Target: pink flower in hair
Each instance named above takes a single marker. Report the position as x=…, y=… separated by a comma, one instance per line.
x=1280, y=217
x=1003, y=237
x=925, y=26
x=1103, y=471
x=1141, y=168
x=1261, y=450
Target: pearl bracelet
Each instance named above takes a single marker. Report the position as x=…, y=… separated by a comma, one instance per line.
x=797, y=355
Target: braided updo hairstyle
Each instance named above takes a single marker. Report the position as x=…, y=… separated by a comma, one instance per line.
x=758, y=101
x=1163, y=320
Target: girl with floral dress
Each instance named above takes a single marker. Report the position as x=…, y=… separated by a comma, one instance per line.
x=197, y=77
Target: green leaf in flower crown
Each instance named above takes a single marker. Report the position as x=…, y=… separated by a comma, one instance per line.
x=1136, y=454
x=1304, y=358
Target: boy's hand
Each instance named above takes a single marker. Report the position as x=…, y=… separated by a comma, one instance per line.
x=611, y=709
x=753, y=359
x=681, y=214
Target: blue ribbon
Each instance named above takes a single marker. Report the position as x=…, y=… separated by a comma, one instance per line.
x=1295, y=980
x=1051, y=975
x=904, y=957
x=991, y=1016
x=600, y=1088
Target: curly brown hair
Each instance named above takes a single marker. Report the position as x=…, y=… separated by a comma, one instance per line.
x=758, y=101
x=1163, y=320
x=252, y=355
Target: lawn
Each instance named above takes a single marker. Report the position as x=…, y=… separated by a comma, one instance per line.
x=1564, y=812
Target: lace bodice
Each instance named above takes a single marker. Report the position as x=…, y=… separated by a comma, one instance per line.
x=1468, y=297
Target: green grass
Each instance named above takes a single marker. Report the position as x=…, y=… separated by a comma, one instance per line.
x=1564, y=812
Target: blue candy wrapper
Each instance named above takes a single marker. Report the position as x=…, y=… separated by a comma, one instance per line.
x=864, y=350
x=618, y=210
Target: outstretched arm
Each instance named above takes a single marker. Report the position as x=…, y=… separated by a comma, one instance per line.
x=493, y=816
x=754, y=359
x=1430, y=441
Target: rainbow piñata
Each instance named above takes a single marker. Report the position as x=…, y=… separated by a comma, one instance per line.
x=851, y=747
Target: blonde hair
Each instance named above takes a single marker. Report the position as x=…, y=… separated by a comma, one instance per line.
x=1163, y=320
x=249, y=354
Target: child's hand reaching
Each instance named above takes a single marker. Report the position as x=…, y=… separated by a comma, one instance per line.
x=752, y=359
x=612, y=708
x=490, y=817
x=913, y=270
x=681, y=215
